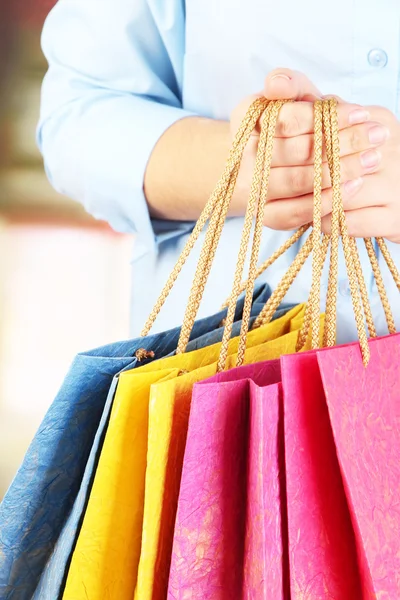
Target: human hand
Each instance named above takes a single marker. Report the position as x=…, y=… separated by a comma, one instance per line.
x=374, y=208
x=365, y=135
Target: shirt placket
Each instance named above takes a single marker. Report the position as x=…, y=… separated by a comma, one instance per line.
x=376, y=72
x=376, y=52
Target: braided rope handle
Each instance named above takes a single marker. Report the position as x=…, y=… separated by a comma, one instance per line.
x=216, y=211
x=222, y=189
x=326, y=122
x=316, y=245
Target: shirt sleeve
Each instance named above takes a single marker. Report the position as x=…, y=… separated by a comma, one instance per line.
x=113, y=87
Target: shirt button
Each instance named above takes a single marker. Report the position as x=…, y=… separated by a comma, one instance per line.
x=344, y=288
x=377, y=58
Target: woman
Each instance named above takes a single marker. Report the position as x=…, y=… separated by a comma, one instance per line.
x=142, y=98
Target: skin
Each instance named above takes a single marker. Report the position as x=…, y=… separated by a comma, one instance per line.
x=189, y=158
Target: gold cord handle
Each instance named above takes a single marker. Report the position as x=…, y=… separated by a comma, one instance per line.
x=222, y=188
x=325, y=130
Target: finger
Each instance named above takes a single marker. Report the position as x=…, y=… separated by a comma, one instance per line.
x=291, y=213
x=359, y=138
x=239, y=113
x=297, y=118
x=310, y=98
x=338, y=98
x=368, y=196
x=286, y=84
x=375, y=221
x=299, y=150
x=382, y=115
x=292, y=182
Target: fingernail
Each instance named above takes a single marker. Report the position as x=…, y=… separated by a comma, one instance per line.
x=378, y=134
x=280, y=76
x=370, y=159
x=360, y=115
x=352, y=186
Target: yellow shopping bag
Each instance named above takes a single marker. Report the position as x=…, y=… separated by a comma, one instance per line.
x=106, y=557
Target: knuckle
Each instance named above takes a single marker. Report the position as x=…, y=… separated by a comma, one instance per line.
x=289, y=124
x=299, y=215
x=277, y=218
x=355, y=139
x=326, y=224
x=346, y=172
x=293, y=220
x=301, y=150
x=270, y=216
x=326, y=203
x=351, y=228
x=288, y=215
x=298, y=181
x=288, y=220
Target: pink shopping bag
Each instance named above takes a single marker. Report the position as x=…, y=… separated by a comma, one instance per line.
x=322, y=552
x=364, y=409
x=228, y=533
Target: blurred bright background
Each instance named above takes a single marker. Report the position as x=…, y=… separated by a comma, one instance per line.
x=64, y=277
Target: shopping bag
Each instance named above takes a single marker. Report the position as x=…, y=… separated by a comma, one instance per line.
x=322, y=551
x=228, y=539
x=42, y=493
x=364, y=410
x=115, y=505
x=53, y=576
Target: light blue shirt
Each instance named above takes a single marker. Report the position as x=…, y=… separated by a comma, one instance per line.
x=123, y=71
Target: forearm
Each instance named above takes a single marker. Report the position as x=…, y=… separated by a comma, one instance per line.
x=185, y=166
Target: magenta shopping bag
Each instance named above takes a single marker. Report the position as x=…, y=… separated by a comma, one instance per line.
x=322, y=551
x=364, y=410
x=228, y=534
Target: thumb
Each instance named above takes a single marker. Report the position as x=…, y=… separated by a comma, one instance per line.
x=286, y=84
